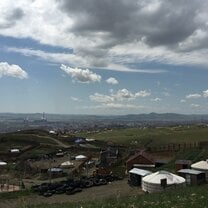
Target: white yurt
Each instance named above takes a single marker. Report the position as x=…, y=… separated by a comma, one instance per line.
x=14, y=150
x=2, y=163
x=67, y=164
x=202, y=166
x=161, y=180
x=80, y=157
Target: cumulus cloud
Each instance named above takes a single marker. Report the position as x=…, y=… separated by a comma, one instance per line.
x=142, y=93
x=120, y=95
x=75, y=99
x=156, y=99
x=114, y=35
x=112, y=80
x=195, y=105
x=11, y=16
x=12, y=71
x=194, y=96
x=100, y=98
x=81, y=75
x=182, y=101
x=115, y=106
x=205, y=93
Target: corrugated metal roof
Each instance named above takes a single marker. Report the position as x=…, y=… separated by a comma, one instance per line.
x=140, y=172
x=190, y=171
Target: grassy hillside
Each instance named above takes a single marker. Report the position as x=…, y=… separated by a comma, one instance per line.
x=152, y=136
x=190, y=197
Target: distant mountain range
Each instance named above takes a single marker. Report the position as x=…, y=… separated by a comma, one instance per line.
x=151, y=117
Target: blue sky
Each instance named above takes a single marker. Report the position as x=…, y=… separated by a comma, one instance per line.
x=103, y=57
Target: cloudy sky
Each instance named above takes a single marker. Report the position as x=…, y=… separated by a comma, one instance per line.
x=104, y=56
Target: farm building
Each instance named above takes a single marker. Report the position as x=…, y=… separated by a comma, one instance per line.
x=140, y=160
x=182, y=164
x=201, y=166
x=136, y=175
x=161, y=180
x=193, y=177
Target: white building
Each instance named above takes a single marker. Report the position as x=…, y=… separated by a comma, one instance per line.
x=201, y=166
x=161, y=180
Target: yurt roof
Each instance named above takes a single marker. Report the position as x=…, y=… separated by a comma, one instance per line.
x=201, y=165
x=80, y=157
x=89, y=140
x=3, y=163
x=14, y=150
x=155, y=178
x=190, y=171
x=67, y=163
x=140, y=172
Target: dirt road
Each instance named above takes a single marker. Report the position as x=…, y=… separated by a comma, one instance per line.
x=114, y=189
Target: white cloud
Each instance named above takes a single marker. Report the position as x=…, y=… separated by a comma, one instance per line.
x=194, y=96
x=195, y=105
x=205, y=93
x=120, y=95
x=75, y=99
x=100, y=98
x=12, y=71
x=115, y=106
x=121, y=106
x=167, y=94
x=81, y=75
x=156, y=99
x=124, y=94
x=106, y=43
x=142, y=93
x=112, y=81
x=182, y=101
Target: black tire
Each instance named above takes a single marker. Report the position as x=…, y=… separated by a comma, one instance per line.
x=96, y=182
x=88, y=183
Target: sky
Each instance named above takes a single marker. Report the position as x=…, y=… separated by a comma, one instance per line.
x=104, y=57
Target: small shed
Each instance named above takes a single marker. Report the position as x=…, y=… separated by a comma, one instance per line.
x=136, y=175
x=80, y=157
x=193, y=177
x=2, y=163
x=161, y=180
x=201, y=166
x=67, y=164
x=140, y=160
x=55, y=172
x=15, y=151
x=59, y=154
x=182, y=164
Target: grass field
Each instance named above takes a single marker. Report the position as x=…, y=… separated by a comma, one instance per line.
x=152, y=136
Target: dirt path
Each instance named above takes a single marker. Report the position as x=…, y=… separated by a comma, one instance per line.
x=115, y=189
x=61, y=144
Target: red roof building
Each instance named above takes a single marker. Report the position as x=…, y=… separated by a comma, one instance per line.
x=140, y=160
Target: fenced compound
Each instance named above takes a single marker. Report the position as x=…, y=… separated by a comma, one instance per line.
x=172, y=147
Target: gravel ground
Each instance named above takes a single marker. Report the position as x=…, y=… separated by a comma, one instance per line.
x=114, y=189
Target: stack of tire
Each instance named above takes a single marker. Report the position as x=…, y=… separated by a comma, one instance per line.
x=70, y=187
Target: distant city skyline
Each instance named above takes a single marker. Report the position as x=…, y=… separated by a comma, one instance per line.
x=104, y=57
